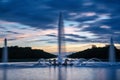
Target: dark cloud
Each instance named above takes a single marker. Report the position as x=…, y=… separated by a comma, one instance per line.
x=51, y=35
x=1, y=27
x=13, y=32
x=71, y=40
x=43, y=40
x=65, y=4
x=71, y=35
x=114, y=23
x=29, y=12
x=83, y=19
x=38, y=40
x=75, y=36
x=67, y=40
x=97, y=30
x=12, y=39
x=52, y=42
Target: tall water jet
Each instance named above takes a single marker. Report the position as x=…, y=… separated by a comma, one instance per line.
x=61, y=39
x=111, y=51
x=5, y=52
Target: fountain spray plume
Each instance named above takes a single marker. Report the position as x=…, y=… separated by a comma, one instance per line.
x=111, y=51
x=5, y=52
x=61, y=39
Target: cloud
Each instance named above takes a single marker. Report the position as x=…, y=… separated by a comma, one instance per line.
x=33, y=13
x=75, y=36
x=71, y=40
x=13, y=32
x=114, y=23
x=85, y=20
x=37, y=40
x=11, y=39
x=52, y=42
x=51, y=35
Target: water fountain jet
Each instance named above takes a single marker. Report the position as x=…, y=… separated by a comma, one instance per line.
x=112, y=51
x=61, y=39
x=5, y=52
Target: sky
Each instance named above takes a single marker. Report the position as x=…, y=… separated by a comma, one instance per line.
x=34, y=23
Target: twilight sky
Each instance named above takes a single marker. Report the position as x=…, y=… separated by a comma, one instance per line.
x=34, y=22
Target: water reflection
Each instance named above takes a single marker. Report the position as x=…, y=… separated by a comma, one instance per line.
x=111, y=74
x=4, y=73
x=62, y=73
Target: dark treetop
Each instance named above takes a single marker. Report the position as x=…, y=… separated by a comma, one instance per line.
x=95, y=52
x=25, y=54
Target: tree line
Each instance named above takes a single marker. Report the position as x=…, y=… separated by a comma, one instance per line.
x=16, y=53
x=95, y=52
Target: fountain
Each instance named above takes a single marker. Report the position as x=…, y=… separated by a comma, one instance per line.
x=42, y=63
x=5, y=52
x=61, y=39
x=111, y=51
x=61, y=45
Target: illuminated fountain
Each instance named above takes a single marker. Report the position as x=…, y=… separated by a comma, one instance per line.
x=61, y=42
x=61, y=39
x=112, y=52
x=5, y=52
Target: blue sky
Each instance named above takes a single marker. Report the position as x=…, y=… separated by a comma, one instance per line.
x=34, y=22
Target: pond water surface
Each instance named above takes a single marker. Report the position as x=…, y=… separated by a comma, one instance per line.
x=60, y=73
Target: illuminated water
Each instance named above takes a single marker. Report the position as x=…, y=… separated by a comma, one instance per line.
x=60, y=73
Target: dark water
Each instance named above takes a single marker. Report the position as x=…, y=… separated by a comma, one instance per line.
x=60, y=73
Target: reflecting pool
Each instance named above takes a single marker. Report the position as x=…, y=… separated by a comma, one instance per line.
x=60, y=73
